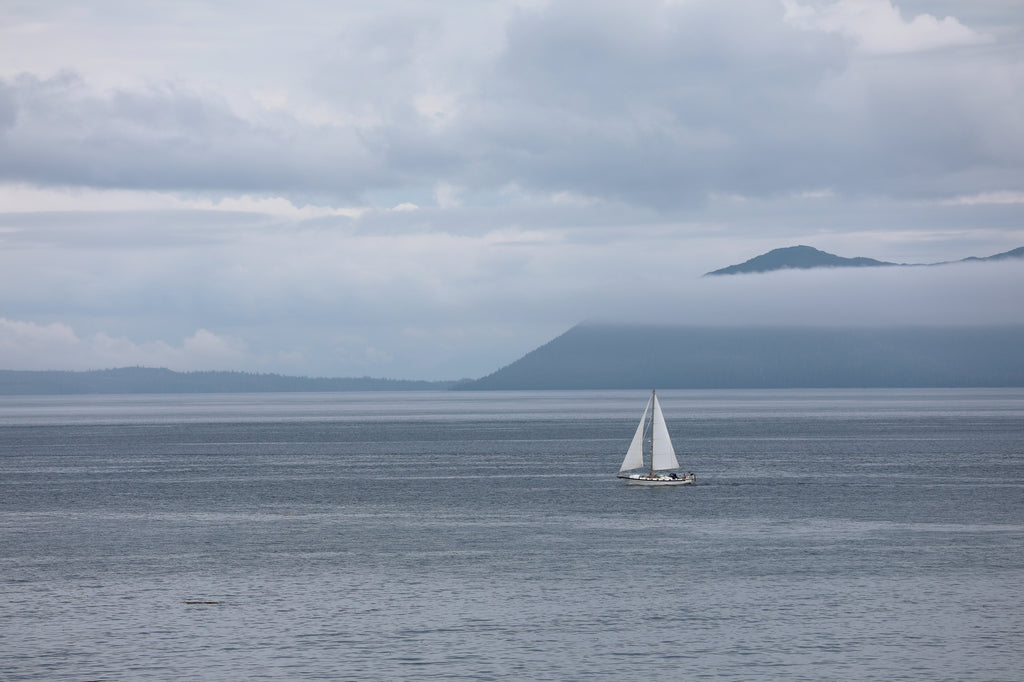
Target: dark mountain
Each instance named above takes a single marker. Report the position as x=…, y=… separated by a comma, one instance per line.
x=797, y=257
x=595, y=356
x=806, y=257
x=150, y=380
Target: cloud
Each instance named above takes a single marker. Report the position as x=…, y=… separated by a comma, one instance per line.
x=955, y=294
x=166, y=138
x=655, y=104
x=878, y=27
x=1005, y=197
x=447, y=195
x=24, y=198
x=429, y=190
x=28, y=345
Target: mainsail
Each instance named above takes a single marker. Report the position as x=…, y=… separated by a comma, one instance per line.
x=664, y=456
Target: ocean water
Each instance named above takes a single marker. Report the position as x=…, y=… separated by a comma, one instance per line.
x=483, y=536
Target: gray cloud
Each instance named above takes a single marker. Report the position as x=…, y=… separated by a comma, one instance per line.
x=66, y=134
x=653, y=107
x=656, y=105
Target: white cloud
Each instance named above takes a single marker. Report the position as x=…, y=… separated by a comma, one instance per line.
x=878, y=27
x=568, y=198
x=29, y=345
x=276, y=206
x=447, y=195
x=25, y=198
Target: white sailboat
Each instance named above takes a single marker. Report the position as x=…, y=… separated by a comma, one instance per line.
x=663, y=455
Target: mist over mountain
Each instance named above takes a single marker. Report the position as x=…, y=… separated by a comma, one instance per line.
x=807, y=257
x=604, y=356
x=957, y=326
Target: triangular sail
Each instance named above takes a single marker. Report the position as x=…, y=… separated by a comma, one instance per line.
x=635, y=455
x=664, y=456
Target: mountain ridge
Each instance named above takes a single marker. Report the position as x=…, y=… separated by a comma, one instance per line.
x=610, y=356
x=803, y=257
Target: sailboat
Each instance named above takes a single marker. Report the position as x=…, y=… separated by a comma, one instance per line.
x=663, y=456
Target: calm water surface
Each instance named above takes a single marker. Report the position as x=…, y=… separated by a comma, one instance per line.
x=364, y=536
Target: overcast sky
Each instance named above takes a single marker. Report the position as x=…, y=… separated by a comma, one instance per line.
x=428, y=189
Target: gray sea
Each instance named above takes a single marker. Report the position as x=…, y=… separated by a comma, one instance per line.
x=833, y=535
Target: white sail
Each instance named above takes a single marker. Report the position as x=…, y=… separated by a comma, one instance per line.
x=664, y=456
x=635, y=455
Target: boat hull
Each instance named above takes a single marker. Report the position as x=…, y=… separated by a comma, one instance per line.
x=656, y=480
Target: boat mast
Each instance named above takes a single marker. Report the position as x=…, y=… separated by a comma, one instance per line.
x=654, y=406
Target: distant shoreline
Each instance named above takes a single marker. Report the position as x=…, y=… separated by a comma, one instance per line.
x=138, y=380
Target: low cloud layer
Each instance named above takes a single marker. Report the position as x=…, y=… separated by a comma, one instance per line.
x=954, y=295
x=447, y=333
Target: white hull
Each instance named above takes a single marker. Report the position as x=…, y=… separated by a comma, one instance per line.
x=644, y=479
